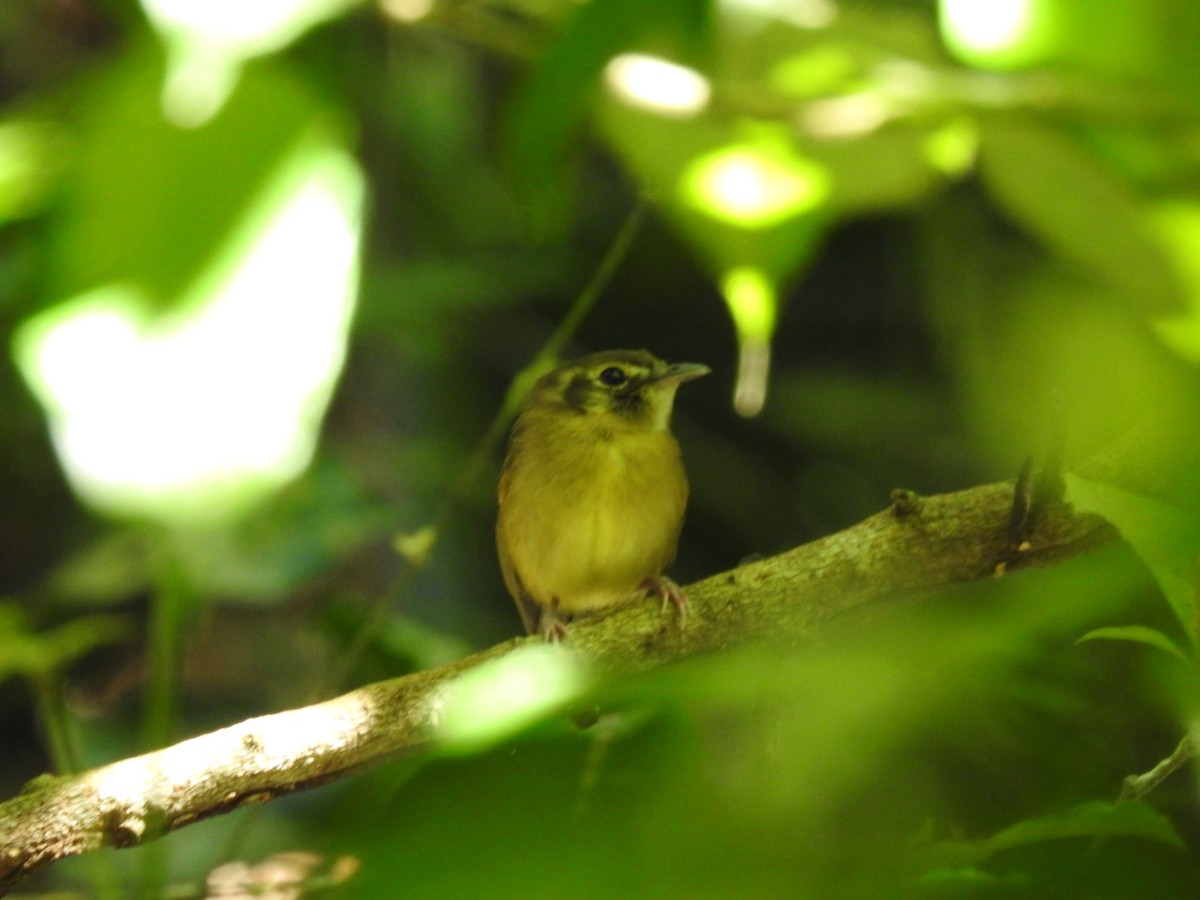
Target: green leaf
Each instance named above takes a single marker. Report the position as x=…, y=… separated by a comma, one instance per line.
x=1064, y=194
x=32, y=154
x=554, y=102
x=659, y=151
x=1090, y=820
x=1096, y=819
x=1138, y=634
x=1166, y=537
x=108, y=570
x=33, y=654
x=151, y=203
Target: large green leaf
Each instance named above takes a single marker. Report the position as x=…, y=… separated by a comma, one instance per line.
x=1054, y=186
x=148, y=202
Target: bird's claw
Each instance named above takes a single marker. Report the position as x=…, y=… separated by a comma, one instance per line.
x=551, y=625
x=670, y=593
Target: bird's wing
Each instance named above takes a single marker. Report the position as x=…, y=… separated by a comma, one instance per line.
x=529, y=610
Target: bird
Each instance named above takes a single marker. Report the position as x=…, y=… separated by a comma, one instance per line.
x=592, y=492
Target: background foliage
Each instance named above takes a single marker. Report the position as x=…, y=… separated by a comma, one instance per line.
x=963, y=248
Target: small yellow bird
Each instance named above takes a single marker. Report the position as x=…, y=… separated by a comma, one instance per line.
x=593, y=491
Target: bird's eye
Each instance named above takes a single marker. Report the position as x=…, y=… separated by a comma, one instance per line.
x=613, y=376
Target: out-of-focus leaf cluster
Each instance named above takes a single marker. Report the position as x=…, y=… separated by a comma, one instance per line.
x=939, y=252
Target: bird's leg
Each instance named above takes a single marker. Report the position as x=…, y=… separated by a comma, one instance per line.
x=551, y=625
x=670, y=593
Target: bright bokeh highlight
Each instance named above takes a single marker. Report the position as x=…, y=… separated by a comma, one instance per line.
x=209, y=40
x=753, y=303
x=996, y=33
x=953, y=148
x=501, y=697
x=28, y=154
x=201, y=411
x=407, y=11
x=1178, y=226
x=797, y=13
x=657, y=85
x=754, y=185
x=849, y=116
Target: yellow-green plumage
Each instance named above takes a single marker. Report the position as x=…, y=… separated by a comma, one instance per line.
x=593, y=491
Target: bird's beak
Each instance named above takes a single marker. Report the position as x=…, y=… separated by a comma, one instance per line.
x=678, y=373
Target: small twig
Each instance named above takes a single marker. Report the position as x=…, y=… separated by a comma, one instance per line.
x=1134, y=787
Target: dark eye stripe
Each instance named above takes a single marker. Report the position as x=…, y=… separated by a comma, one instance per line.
x=577, y=392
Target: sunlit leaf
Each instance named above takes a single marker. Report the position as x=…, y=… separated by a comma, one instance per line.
x=32, y=159
x=657, y=85
x=497, y=699
x=151, y=203
x=753, y=302
x=818, y=71
x=741, y=193
x=754, y=185
x=554, y=102
x=258, y=266
x=953, y=147
x=208, y=44
x=1000, y=35
x=1122, y=39
x=1178, y=224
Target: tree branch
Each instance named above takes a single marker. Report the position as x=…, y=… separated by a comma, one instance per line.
x=918, y=547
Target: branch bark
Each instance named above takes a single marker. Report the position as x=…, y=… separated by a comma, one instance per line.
x=918, y=547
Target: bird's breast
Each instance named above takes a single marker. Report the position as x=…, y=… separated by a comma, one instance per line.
x=585, y=522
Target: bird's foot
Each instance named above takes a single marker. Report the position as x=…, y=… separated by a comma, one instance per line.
x=670, y=593
x=551, y=625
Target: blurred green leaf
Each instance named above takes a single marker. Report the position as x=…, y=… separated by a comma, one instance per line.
x=1177, y=221
x=306, y=531
x=659, y=152
x=149, y=202
x=33, y=654
x=889, y=168
x=32, y=158
x=431, y=291
x=422, y=647
x=113, y=568
x=1060, y=191
x=968, y=882
x=1095, y=819
x=1166, y=537
x=1138, y=634
x=554, y=101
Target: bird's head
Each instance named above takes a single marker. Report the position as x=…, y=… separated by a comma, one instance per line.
x=630, y=389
